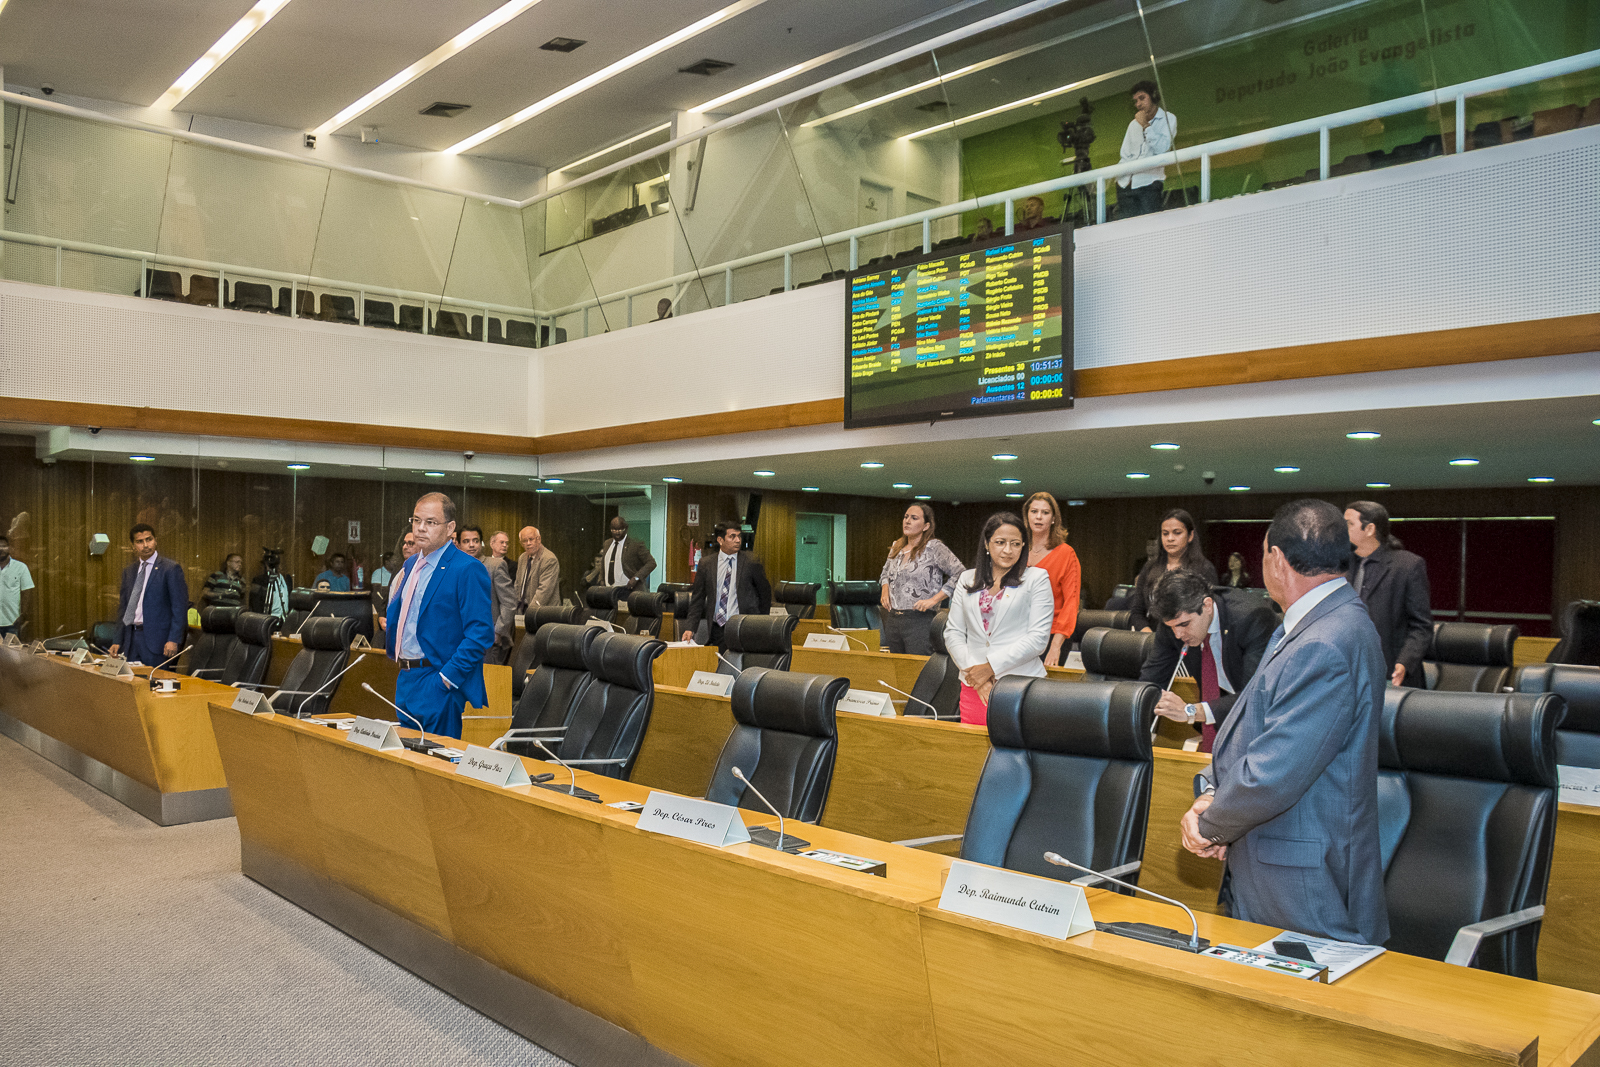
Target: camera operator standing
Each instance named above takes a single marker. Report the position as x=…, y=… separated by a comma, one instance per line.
x=1151, y=133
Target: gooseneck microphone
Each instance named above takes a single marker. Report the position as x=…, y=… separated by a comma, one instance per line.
x=737, y=670
x=847, y=637
x=163, y=663
x=309, y=616
x=1143, y=931
x=934, y=712
x=571, y=789
x=403, y=711
x=737, y=773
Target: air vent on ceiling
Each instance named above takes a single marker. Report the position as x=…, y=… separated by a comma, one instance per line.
x=706, y=67
x=563, y=44
x=441, y=110
x=933, y=105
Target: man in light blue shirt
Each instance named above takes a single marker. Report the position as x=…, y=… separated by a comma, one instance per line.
x=337, y=575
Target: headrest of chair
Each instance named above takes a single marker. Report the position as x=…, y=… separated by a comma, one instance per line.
x=534, y=618
x=1089, y=618
x=759, y=633
x=796, y=592
x=563, y=645
x=793, y=703
x=339, y=596
x=254, y=628
x=1498, y=737
x=601, y=597
x=1475, y=644
x=328, y=633
x=302, y=599
x=623, y=659
x=218, y=620
x=1102, y=720
x=855, y=593
x=936, y=632
x=1120, y=653
x=1578, y=686
x=674, y=588
x=645, y=604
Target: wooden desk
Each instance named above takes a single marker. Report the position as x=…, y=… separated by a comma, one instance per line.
x=676, y=666
x=151, y=751
x=804, y=628
x=606, y=944
x=866, y=670
x=1530, y=650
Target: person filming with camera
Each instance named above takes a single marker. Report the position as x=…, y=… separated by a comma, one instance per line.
x=1150, y=134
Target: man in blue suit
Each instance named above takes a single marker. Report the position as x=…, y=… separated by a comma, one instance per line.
x=1294, y=804
x=153, y=607
x=440, y=623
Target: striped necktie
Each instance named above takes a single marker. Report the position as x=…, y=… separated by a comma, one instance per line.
x=722, y=597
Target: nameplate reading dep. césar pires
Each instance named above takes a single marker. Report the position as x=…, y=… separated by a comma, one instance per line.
x=1039, y=905
x=693, y=820
x=487, y=765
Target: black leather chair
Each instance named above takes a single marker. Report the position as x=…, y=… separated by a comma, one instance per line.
x=1089, y=618
x=525, y=656
x=601, y=602
x=938, y=683
x=105, y=634
x=783, y=740
x=209, y=654
x=251, y=296
x=301, y=601
x=1069, y=771
x=551, y=694
x=1120, y=598
x=355, y=605
x=609, y=717
x=758, y=641
x=1114, y=655
x=252, y=651
x=644, y=613
x=1469, y=657
x=1580, y=635
x=677, y=599
x=856, y=605
x=798, y=598
x=310, y=682
x=1467, y=819
x=1578, y=739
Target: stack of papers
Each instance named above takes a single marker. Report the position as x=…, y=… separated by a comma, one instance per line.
x=1340, y=957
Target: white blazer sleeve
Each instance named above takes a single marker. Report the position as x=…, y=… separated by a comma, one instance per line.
x=963, y=633
x=1028, y=640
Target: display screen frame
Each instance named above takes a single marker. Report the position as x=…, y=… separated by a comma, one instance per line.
x=1025, y=407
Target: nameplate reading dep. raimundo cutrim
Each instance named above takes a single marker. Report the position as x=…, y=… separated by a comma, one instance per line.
x=1038, y=905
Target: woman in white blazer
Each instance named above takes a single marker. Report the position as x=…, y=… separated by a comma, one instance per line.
x=1000, y=616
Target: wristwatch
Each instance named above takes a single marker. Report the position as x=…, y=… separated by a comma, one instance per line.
x=1191, y=711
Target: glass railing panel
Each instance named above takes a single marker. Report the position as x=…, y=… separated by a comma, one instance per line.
x=489, y=262
x=388, y=235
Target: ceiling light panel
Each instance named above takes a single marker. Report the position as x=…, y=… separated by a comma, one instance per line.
x=218, y=54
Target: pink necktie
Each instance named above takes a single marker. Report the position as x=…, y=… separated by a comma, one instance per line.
x=405, y=606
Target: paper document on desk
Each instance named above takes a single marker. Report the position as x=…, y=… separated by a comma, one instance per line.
x=1340, y=957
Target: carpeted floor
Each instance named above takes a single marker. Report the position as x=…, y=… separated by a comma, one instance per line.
x=123, y=942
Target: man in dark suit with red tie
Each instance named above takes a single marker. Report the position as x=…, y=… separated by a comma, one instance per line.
x=1228, y=628
x=153, y=607
x=728, y=582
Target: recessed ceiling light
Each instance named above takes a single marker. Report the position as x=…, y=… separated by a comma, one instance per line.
x=299, y=466
x=544, y=490
x=143, y=459
x=1541, y=479
x=671, y=480
x=1597, y=422
x=871, y=465
x=1463, y=461
x=1002, y=456
x=1377, y=485
x=1363, y=435
x=811, y=488
x=1287, y=470
x=923, y=496
x=1137, y=474
x=1076, y=503
x=1010, y=481
x=217, y=54
x=765, y=474
x=555, y=481
x=539, y=107
x=1013, y=496
x=902, y=485
x=1165, y=446
x=1238, y=488
x=433, y=474
x=467, y=37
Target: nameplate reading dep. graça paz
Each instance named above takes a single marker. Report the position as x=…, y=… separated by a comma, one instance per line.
x=710, y=683
x=1038, y=905
x=491, y=767
x=378, y=734
x=693, y=820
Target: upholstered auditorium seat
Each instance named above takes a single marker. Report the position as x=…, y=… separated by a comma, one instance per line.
x=1578, y=738
x=163, y=285
x=856, y=605
x=312, y=678
x=209, y=654
x=783, y=741
x=939, y=682
x=203, y=291
x=252, y=652
x=550, y=696
x=609, y=717
x=1467, y=814
x=251, y=296
x=338, y=308
x=378, y=313
x=525, y=656
x=1469, y=657
x=758, y=641
x=644, y=613
x=798, y=598
x=1114, y=655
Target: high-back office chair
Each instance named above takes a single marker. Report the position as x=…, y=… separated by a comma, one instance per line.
x=938, y=683
x=757, y=641
x=1469, y=657
x=1578, y=738
x=601, y=600
x=1090, y=618
x=609, y=717
x=677, y=600
x=1121, y=596
x=356, y=605
x=1114, y=655
x=209, y=654
x=311, y=680
x=783, y=741
x=551, y=694
x=1580, y=635
x=105, y=634
x=1467, y=820
x=525, y=656
x=252, y=651
x=798, y=598
x=856, y=605
x=644, y=613
x=301, y=604
x=1069, y=771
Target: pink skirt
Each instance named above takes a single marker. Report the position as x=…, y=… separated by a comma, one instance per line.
x=974, y=711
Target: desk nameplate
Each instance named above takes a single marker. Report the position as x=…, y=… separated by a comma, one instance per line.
x=116, y=667
x=375, y=734
x=717, y=825
x=1579, y=785
x=492, y=768
x=710, y=683
x=866, y=702
x=1021, y=901
x=836, y=642
x=79, y=656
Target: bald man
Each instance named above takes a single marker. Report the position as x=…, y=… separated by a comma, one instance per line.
x=538, y=583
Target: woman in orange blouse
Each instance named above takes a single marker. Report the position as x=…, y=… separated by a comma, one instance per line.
x=1048, y=550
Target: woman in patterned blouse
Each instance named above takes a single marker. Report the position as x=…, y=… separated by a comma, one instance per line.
x=919, y=574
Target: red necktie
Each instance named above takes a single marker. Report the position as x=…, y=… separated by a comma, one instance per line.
x=1210, y=692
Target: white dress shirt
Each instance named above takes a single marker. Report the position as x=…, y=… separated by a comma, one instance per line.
x=141, y=586
x=1143, y=142
x=612, y=573
x=1302, y=607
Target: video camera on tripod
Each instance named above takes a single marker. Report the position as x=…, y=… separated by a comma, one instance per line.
x=1078, y=134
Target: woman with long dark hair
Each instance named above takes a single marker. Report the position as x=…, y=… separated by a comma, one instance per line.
x=999, y=616
x=1048, y=550
x=1180, y=550
x=918, y=576
x=1238, y=577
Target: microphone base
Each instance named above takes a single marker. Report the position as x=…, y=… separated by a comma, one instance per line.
x=569, y=790
x=768, y=838
x=427, y=748
x=1156, y=935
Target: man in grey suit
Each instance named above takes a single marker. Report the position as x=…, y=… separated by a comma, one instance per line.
x=1294, y=803
x=504, y=597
